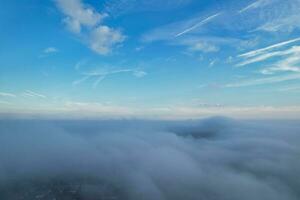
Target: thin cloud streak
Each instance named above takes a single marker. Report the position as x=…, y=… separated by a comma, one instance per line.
x=5, y=94
x=5, y=102
x=100, y=75
x=30, y=93
x=197, y=25
x=290, y=88
x=262, y=50
x=289, y=64
x=267, y=55
x=255, y=5
x=97, y=110
x=50, y=50
x=262, y=81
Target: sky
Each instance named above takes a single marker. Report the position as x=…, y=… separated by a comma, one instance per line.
x=150, y=58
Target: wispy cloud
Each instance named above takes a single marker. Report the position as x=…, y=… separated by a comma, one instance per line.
x=197, y=25
x=278, y=16
x=99, y=75
x=213, y=62
x=288, y=24
x=294, y=88
x=292, y=52
x=188, y=112
x=5, y=94
x=49, y=50
x=100, y=38
x=289, y=63
x=4, y=102
x=255, y=5
x=173, y=30
x=263, y=81
x=206, y=45
x=139, y=73
x=268, y=48
x=93, y=108
x=121, y=7
x=287, y=59
x=198, y=34
x=29, y=93
x=282, y=13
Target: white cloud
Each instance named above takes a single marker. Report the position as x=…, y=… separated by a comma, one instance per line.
x=78, y=82
x=262, y=81
x=94, y=108
x=139, y=48
x=229, y=59
x=292, y=54
x=295, y=88
x=233, y=24
x=290, y=63
x=204, y=47
x=268, y=48
x=79, y=14
x=256, y=4
x=5, y=94
x=213, y=62
x=190, y=112
x=284, y=68
x=100, y=38
x=196, y=33
x=286, y=60
x=205, y=44
x=285, y=24
x=77, y=109
x=139, y=74
x=50, y=50
x=202, y=22
x=175, y=112
x=72, y=25
x=100, y=74
x=29, y=93
x=173, y=30
x=201, y=33
x=280, y=16
x=4, y=102
x=289, y=58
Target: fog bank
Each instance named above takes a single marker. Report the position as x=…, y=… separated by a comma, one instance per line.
x=211, y=159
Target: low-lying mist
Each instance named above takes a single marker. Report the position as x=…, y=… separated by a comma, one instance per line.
x=211, y=159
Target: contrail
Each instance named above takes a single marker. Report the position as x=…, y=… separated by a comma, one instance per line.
x=259, y=51
x=197, y=25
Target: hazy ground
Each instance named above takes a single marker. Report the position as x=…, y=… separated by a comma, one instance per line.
x=212, y=159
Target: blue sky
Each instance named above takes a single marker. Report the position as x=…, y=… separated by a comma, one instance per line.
x=150, y=58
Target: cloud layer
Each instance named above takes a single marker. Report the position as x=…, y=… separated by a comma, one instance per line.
x=209, y=159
